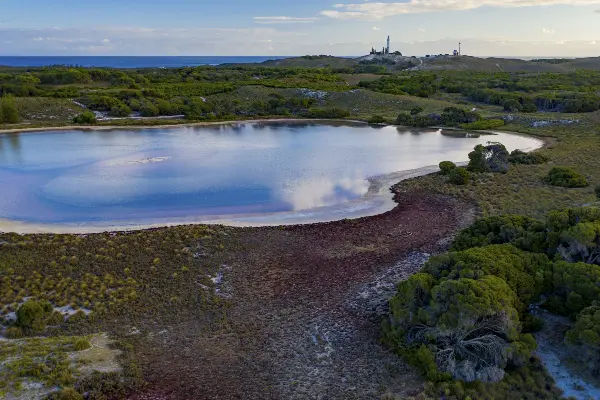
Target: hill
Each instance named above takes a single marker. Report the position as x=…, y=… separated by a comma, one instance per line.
x=396, y=62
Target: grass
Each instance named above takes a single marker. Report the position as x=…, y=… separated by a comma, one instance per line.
x=51, y=362
x=36, y=109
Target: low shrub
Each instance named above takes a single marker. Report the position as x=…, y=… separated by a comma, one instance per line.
x=565, y=177
x=520, y=157
x=376, y=119
x=86, y=117
x=446, y=167
x=586, y=333
x=405, y=119
x=82, y=344
x=459, y=176
x=330, y=112
x=484, y=124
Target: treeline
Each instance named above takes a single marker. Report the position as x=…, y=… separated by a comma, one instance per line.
x=466, y=315
x=516, y=92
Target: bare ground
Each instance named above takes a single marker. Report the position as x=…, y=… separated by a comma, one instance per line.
x=307, y=304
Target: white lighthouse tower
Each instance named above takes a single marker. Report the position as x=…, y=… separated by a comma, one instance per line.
x=387, y=49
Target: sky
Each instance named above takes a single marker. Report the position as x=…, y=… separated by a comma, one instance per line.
x=519, y=28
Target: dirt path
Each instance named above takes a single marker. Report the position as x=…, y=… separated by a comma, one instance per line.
x=307, y=303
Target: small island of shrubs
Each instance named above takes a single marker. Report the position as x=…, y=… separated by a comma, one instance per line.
x=566, y=177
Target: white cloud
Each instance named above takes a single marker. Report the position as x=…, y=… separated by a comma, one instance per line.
x=283, y=20
x=422, y=30
x=376, y=28
x=375, y=11
x=147, y=41
x=548, y=31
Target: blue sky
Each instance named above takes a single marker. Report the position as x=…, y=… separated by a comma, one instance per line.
x=269, y=27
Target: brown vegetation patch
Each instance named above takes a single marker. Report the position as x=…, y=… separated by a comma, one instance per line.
x=304, y=320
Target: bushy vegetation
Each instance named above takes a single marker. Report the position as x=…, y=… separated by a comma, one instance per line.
x=520, y=157
x=446, y=167
x=490, y=158
x=566, y=177
x=459, y=176
x=462, y=316
x=464, y=310
x=61, y=285
x=86, y=117
x=8, y=110
x=483, y=124
x=376, y=119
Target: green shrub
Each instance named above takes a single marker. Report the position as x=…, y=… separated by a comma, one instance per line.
x=9, y=113
x=522, y=232
x=86, y=117
x=404, y=119
x=446, y=167
x=575, y=286
x=597, y=191
x=512, y=105
x=586, y=333
x=454, y=116
x=459, y=176
x=490, y=158
x=326, y=113
x=81, y=344
x=565, y=177
x=527, y=274
x=376, y=119
x=484, y=124
x=32, y=315
x=520, y=157
x=121, y=110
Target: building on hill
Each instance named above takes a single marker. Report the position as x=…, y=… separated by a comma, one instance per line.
x=385, y=50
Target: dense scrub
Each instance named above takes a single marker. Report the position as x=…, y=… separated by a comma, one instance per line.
x=56, y=285
x=465, y=315
x=574, y=92
x=565, y=177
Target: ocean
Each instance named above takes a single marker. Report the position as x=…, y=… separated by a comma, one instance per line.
x=130, y=62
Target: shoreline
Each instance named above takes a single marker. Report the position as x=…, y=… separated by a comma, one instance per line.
x=172, y=126
x=378, y=200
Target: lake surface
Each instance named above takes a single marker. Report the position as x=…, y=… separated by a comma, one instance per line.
x=295, y=171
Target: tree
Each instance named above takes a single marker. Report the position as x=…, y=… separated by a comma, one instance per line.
x=9, y=113
x=490, y=158
x=597, y=191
